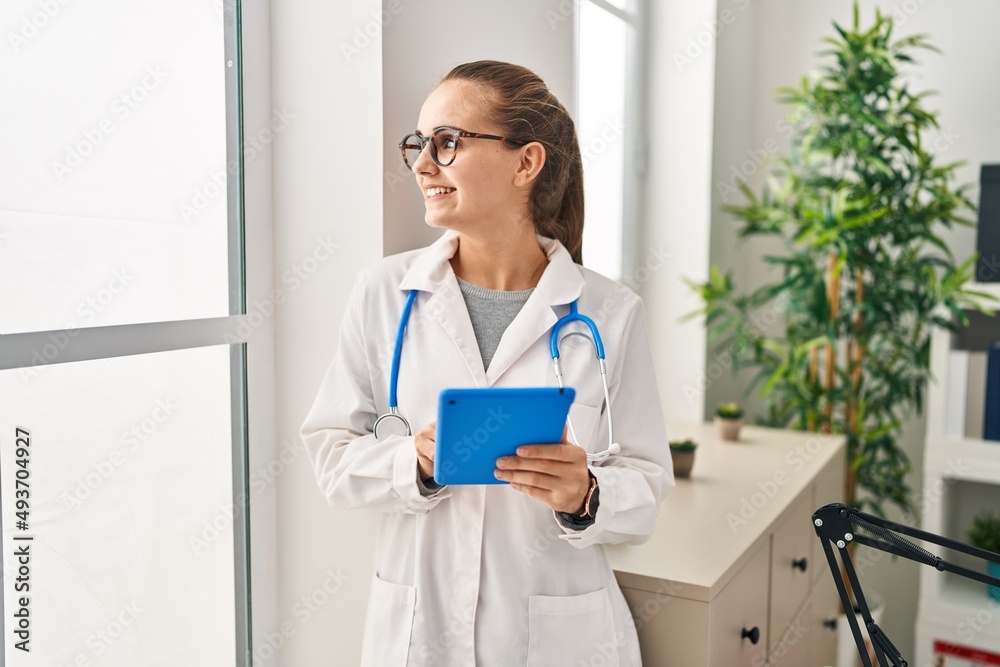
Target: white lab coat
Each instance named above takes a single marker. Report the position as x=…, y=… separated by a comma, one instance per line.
x=485, y=575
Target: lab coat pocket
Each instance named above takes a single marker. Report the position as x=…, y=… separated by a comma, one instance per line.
x=386, y=641
x=571, y=630
x=584, y=419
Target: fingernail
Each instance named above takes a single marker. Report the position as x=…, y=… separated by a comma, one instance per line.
x=498, y=474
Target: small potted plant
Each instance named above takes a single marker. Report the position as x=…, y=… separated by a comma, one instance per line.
x=985, y=534
x=728, y=419
x=682, y=453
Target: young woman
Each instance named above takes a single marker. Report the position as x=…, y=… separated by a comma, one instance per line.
x=505, y=574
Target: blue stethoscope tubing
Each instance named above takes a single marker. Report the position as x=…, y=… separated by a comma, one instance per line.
x=394, y=373
x=573, y=316
x=595, y=336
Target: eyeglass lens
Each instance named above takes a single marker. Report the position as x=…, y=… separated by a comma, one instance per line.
x=443, y=149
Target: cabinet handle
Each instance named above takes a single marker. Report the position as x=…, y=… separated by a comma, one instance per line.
x=800, y=564
x=752, y=634
x=830, y=623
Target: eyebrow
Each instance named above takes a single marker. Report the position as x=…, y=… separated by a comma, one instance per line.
x=436, y=128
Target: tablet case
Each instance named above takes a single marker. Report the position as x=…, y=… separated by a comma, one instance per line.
x=477, y=426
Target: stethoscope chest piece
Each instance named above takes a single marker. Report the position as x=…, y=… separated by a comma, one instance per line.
x=392, y=423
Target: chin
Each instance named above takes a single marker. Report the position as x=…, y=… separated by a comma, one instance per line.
x=438, y=223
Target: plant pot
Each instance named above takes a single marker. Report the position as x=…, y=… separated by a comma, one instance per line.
x=847, y=649
x=993, y=569
x=683, y=462
x=729, y=429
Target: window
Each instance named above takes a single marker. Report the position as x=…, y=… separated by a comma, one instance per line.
x=607, y=104
x=124, y=445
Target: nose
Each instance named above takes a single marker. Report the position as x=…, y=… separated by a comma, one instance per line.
x=424, y=163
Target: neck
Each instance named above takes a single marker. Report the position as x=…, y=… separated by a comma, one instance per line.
x=510, y=265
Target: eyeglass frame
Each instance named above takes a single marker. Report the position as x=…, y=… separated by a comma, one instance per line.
x=458, y=133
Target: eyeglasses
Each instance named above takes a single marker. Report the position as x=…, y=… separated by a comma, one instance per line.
x=444, y=144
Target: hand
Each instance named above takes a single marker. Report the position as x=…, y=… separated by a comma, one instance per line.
x=555, y=474
x=424, y=442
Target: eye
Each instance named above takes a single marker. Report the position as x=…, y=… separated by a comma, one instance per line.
x=445, y=139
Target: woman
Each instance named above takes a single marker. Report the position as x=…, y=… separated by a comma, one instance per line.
x=506, y=574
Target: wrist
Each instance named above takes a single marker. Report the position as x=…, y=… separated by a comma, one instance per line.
x=425, y=467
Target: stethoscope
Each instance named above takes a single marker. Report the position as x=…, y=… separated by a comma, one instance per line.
x=554, y=340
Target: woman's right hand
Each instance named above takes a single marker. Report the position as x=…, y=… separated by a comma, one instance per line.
x=424, y=442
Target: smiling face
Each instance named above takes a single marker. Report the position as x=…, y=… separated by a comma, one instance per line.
x=490, y=181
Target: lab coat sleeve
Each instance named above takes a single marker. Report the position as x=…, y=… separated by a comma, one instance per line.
x=633, y=482
x=352, y=468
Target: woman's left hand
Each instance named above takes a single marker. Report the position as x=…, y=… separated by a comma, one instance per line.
x=555, y=474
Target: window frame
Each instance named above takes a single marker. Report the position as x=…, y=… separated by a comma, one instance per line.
x=250, y=226
x=635, y=152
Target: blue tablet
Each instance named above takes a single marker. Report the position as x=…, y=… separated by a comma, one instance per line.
x=475, y=427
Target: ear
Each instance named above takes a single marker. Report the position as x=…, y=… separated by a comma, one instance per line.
x=531, y=163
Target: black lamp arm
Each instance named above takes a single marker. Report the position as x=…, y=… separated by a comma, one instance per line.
x=837, y=524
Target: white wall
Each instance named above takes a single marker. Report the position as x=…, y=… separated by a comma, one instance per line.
x=772, y=44
x=676, y=206
x=334, y=170
x=327, y=183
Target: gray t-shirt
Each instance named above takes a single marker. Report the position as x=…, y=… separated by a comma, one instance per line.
x=491, y=312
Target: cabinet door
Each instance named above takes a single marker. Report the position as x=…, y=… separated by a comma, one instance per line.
x=823, y=621
x=673, y=631
x=741, y=608
x=792, y=648
x=791, y=565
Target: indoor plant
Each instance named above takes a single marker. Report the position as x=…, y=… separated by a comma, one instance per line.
x=728, y=419
x=682, y=453
x=985, y=534
x=865, y=277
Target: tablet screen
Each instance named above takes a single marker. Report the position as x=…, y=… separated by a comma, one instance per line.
x=477, y=426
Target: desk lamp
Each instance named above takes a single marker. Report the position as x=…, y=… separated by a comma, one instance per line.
x=839, y=525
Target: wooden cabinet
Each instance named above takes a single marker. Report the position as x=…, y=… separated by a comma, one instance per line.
x=734, y=557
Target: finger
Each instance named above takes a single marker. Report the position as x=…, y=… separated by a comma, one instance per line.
x=555, y=499
x=552, y=467
x=540, y=493
x=560, y=498
x=563, y=452
x=531, y=478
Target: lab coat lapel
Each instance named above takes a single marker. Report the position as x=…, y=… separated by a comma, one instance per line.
x=431, y=272
x=560, y=284
x=447, y=307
